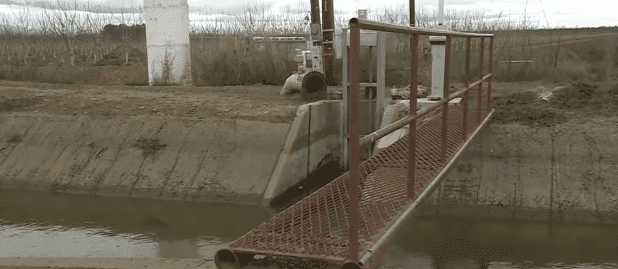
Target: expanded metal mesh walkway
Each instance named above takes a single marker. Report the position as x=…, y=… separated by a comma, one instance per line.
x=322, y=226
x=316, y=227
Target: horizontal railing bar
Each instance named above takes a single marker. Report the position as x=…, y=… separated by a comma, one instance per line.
x=400, y=29
x=476, y=83
x=372, y=137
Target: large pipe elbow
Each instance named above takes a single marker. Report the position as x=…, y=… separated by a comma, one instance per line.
x=314, y=86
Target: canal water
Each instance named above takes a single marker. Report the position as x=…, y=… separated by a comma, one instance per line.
x=47, y=225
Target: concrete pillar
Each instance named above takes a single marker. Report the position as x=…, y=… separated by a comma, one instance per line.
x=167, y=39
x=438, y=51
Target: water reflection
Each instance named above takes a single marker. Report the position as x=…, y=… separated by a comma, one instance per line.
x=457, y=242
x=43, y=224
x=48, y=241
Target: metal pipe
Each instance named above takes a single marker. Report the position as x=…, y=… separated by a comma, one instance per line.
x=479, y=104
x=315, y=11
x=464, y=133
x=412, y=13
x=328, y=28
x=412, y=130
x=491, y=70
x=392, y=28
x=467, y=66
x=403, y=219
x=447, y=85
x=355, y=148
x=441, y=13
x=370, y=138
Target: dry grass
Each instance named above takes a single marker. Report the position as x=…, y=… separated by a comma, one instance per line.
x=41, y=48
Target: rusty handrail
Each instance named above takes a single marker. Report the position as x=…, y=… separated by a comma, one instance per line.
x=400, y=29
x=373, y=137
x=356, y=146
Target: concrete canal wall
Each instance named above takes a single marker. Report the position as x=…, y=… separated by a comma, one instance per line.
x=568, y=172
x=226, y=160
x=565, y=173
x=236, y=161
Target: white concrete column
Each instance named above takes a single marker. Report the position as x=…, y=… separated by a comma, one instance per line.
x=438, y=52
x=167, y=39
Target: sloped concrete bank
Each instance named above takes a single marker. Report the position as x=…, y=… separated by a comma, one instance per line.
x=314, y=140
x=568, y=172
x=564, y=173
x=167, y=158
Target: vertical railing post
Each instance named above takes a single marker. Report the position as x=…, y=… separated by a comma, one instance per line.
x=354, y=178
x=413, y=95
x=445, y=94
x=491, y=71
x=464, y=133
x=479, y=105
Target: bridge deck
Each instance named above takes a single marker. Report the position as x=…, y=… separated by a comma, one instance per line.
x=316, y=227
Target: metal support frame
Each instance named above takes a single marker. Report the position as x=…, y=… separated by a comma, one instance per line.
x=356, y=145
x=479, y=93
x=304, y=231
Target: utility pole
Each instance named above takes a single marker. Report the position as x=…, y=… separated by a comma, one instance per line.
x=328, y=29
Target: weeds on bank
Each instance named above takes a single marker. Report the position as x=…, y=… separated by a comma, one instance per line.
x=15, y=104
x=149, y=146
x=15, y=139
x=528, y=109
x=588, y=99
x=580, y=98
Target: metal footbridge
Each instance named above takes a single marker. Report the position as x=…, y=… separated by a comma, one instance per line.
x=351, y=221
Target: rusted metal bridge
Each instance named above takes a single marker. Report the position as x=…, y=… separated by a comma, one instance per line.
x=351, y=221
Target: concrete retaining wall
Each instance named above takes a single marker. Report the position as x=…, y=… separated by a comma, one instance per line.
x=514, y=171
x=313, y=140
x=204, y=160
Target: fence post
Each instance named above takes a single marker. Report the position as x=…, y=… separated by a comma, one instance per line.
x=354, y=174
x=413, y=95
x=466, y=96
x=479, y=105
x=445, y=94
x=491, y=71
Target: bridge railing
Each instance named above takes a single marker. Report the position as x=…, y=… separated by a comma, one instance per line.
x=466, y=117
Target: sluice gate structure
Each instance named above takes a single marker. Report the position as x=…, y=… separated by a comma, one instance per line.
x=351, y=221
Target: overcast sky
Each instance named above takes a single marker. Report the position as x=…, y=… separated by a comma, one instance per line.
x=569, y=13
x=552, y=13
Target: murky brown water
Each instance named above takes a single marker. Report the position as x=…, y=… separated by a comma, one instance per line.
x=40, y=224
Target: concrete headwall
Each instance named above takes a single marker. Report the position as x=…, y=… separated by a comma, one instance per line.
x=313, y=140
x=204, y=160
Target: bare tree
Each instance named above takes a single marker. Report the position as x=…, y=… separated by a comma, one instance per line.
x=23, y=29
x=66, y=23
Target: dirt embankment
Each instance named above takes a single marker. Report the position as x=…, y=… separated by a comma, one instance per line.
x=262, y=103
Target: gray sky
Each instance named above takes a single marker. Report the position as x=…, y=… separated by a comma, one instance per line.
x=553, y=13
x=570, y=13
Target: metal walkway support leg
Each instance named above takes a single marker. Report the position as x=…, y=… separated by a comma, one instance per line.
x=491, y=71
x=355, y=150
x=445, y=94
x=464, y=133
x=413, y=95
x=479, y=95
